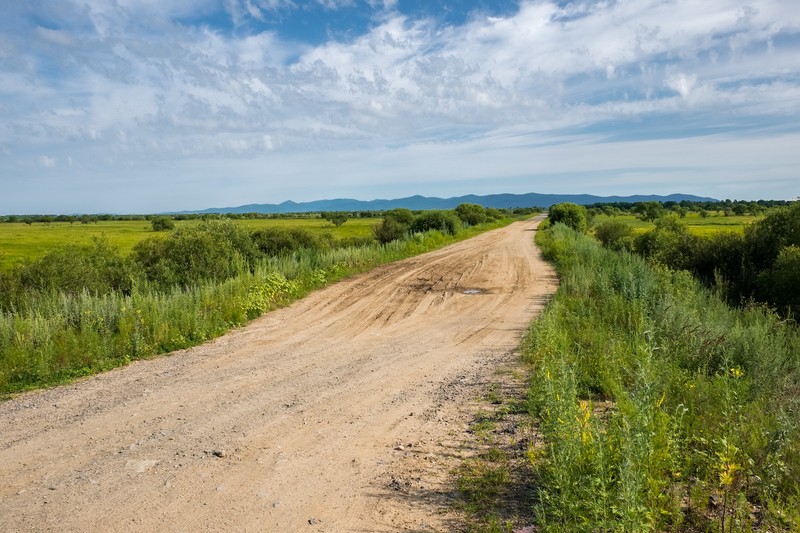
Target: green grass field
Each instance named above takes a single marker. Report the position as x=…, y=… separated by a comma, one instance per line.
x=19, y=241
x=714, y=223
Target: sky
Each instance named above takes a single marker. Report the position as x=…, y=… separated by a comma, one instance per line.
x=140, y=106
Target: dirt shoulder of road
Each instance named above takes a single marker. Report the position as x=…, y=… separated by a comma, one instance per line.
x=346, y=411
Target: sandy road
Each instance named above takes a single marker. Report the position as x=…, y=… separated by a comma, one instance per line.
x=293, y=423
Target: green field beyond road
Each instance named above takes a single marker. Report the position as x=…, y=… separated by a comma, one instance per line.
x=20, y=241
x=702, y=226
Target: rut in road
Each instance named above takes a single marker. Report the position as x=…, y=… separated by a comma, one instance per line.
x=290, y=423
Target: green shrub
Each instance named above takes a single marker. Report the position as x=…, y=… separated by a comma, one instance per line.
x=390, y=229
x=781, y=283
x=98, y=269
x=337, y=218
x=162, y=223
x=494, y=214
x=401, y=215
x=571, y=215
x=615, y=235
x=765, y=239
x=471, y=214
x=282, y=241
x=721, y=258
x=649, y=211
x=436, y=220
x=215, y=250
x=670, y=244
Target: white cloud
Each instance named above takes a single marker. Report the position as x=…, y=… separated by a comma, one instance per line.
x=129, y=80
x=46, y=161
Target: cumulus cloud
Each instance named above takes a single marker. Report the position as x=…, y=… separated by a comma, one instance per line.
x=538, y=64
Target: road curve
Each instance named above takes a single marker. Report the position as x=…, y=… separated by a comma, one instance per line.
x=288, y=424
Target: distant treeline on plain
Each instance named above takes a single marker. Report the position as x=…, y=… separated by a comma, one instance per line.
x=739, y=207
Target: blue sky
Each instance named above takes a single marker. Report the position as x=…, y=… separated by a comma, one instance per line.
x=156, y=105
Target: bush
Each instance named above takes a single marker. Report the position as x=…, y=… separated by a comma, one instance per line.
x=162, y=223
x=471, y=214
x=765, y=238
x=670, y=244
x=390, y=229
x=337, y=218
x=649, y=211
x=571, y=215
x=781, y=284
x=615, y=235
x=720, y=258
x=215, y=250
x=98, y=269
x=275, y=242
x=401, y=215
x=436, y=220
x=493, y=213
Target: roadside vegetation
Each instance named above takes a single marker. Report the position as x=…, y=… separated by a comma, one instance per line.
x=79, y=309
x=660, y=406
x=755, y=261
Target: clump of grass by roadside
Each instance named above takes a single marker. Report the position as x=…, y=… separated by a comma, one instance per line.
x=51, y=336
x=661, y=408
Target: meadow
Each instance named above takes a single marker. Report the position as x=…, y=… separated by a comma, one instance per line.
x=20, y=241
x=712, y=224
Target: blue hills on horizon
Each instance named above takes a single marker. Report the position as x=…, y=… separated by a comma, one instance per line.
x=417, y=203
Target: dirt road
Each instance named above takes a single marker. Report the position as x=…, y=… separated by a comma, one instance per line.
x=333, y=414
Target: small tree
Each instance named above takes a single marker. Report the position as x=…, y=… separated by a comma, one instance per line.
x=389, y=230
x=337, y=218
x=615, y=235
x=493, y=213
x=443, y=221
x=282, y=241
x=162, y=223
x=781, y=284
x=571, y=215
x=471, y=214
x=401, y=215
x=649, y=211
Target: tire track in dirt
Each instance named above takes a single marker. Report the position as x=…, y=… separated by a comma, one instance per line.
x=294, y=422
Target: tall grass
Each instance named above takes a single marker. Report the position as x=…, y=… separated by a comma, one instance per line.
x=661, y=407
x=53, y=337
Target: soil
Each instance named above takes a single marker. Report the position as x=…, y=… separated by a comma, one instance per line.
x=346, y=411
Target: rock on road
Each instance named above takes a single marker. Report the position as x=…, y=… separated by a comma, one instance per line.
x=291, y=423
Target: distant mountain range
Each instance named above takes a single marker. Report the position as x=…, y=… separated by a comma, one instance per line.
x=424, y=202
